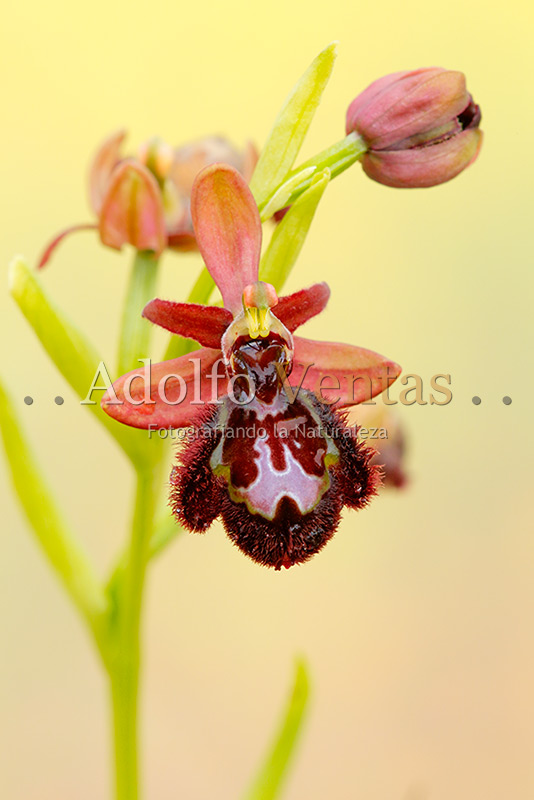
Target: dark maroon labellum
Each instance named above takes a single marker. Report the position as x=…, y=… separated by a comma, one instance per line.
x=278, y=482
x=278, y=470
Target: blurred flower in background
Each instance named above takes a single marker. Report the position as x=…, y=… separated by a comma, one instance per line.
x=381, y=427
x=421, y=127
x=144, y=200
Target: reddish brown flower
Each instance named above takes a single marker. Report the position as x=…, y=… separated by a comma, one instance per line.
x=272, y=457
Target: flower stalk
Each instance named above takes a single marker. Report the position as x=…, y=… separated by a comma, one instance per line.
x=336, y=158
x=135, y=333
x=126, y=660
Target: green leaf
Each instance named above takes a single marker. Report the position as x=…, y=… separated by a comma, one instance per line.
x=74, y=356
x=290, y=234
x=58, y=543
x=269, y=780
x=291, y=126
x=135, y=333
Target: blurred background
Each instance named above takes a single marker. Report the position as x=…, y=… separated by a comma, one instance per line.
x=416, y=619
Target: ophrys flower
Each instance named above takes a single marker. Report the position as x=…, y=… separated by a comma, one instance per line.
x=269, y=451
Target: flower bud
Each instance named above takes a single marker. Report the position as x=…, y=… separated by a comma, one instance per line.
x=421, y=127
x=132, y=211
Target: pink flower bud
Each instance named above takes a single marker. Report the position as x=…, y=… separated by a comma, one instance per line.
x=132, y=211
x=421, y=127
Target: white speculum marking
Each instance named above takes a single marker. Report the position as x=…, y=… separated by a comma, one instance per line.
x=262, y=496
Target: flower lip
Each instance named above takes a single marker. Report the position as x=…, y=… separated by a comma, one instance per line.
x=258, y=365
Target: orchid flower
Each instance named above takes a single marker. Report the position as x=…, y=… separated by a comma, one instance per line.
x=276, y=462
x=144, y=200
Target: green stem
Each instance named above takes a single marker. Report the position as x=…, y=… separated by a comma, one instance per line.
x=125, y=666
x=337, y=158
x=135, y=332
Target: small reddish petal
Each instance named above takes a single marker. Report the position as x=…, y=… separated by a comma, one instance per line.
x=341, y=374
x=228, y=230
x=132, y=211
x=295, y=309
x=104, y=161
x=205, y=324
x=183, y=240
x=45, y=257
x=170, y=394
x=420, y=167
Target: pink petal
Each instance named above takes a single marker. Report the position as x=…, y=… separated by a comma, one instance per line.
x=105, y=160
x=404, y=104
x=341, y=373
x=297, y=308
x=170, y=396
x=426, y=102
x=420, y=167
x=132, y=211
x=371, y=92
x=228, y=230
x=87, y=226
x=205, y=324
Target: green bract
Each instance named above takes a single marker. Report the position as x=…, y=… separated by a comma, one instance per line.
x=291, y=126
x=288, y=238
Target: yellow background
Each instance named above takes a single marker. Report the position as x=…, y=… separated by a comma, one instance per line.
x=417, y=618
